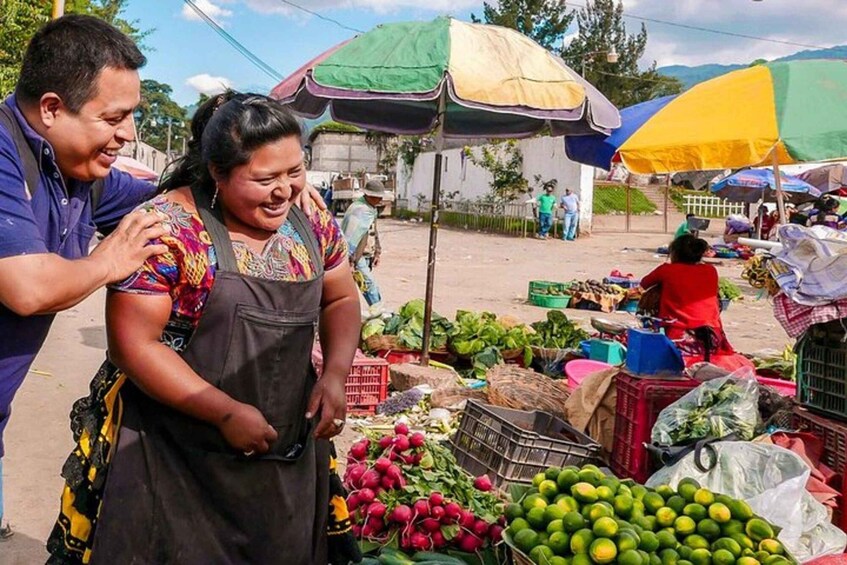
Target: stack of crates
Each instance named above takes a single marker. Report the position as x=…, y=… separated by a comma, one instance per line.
x=822, y=394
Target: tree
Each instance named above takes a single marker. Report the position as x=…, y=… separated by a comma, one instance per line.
x=544, y=21
x=20, y=19
x=387, y=147
x=155, y=112
x=600, y=28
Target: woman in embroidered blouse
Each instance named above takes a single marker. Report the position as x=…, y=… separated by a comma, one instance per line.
x=222, y=455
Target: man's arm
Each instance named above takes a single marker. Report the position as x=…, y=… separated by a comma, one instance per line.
x=43, y=283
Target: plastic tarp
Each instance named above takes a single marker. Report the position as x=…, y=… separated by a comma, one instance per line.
x=772, y=480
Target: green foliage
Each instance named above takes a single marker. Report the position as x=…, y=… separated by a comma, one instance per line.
x=728, y=290
x=155, y=111
x=541, y=20
x=601, y=27
x=409, y=149
x=20, y=19
x=504, y=160
x=557, y=332
x=612, y=199
x=335, y=127
x=387, y=147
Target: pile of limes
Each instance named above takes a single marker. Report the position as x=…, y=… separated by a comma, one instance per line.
x=576, y=516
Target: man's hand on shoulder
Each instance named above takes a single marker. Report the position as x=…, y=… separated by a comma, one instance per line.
x=308, y=198
x=126, y=248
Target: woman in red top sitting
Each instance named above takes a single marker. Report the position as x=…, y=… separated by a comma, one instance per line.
x=689, y=302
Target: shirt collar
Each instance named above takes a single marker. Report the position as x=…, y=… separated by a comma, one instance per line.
x=38, y=144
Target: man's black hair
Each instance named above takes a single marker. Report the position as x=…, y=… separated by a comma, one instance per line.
x=689, y=216
x=67, y=55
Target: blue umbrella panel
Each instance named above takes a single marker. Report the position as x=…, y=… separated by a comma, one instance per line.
x=753, y=185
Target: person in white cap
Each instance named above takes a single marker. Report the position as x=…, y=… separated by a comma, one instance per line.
x=359, y=220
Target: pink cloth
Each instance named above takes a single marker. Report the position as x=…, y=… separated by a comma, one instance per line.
x=797, y=318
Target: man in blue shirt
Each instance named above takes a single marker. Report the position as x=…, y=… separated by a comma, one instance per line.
x=72, y=111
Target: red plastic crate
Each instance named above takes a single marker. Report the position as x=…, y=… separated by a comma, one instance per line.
x=834, y=456
x=639, y=402
x=367, y=383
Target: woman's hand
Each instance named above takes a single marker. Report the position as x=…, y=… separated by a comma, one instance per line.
x=328, y=399
x=307, y=198
x=247, y=430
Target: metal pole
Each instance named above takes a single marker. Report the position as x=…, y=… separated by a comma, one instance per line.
x=780, y=197
x=665, y=204
x=628, y=207
x=168, y=152
x=433, y=227
x=58, y=9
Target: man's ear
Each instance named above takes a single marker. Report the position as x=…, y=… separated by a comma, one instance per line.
x=49, y=107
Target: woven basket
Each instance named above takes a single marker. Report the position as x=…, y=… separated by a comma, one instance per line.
x=514, y=387
x=390, y=343
x=383, y=343
x=510, y=354
x=449, y=396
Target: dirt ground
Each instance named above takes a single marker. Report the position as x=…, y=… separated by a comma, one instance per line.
x=474, y=271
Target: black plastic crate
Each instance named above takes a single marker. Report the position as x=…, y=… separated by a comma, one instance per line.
x=822, y=369
x=512, y=446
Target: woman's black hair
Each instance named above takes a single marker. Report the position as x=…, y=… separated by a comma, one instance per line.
x=688, y=249
x=225, y=130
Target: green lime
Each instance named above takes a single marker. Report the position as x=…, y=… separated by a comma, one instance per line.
x=669, y=556
x=666, y=540
x=605, y=493
x=533, y=501
x=573, y=522
x=695, y=541
x=665, y=517
x=723, y=557
x=584, y=493
x=603, y=551
x=548, y=489
x=709, y=529
x=517, y=525
x=567, y=503
x=687, y=488
x=630, y=557
x=581, y=541
x=626, y=540
x=559, y=542
x=598, y=511
x=652, y=502
x=552, y=473
x=665, y=491
x=536, y=519
x=541, y=555
x=566, y=479
x=704, y=496
x=676, y=503
x=536, y=480
x=701, y=557
x=605, y=527
x=649, y=542
x=719, y=513
x=684, y=525
x=525, y=540
x=512, y=511
x=623, y=505
x=553, y=512
x=555, y=526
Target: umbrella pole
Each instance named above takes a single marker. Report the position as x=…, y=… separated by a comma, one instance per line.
x=780, y=197
x=433, y=227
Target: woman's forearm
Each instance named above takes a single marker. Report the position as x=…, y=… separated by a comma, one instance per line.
x=340, y=328
x=163, y=375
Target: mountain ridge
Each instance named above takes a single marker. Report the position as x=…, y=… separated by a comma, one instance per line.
x=694, y=75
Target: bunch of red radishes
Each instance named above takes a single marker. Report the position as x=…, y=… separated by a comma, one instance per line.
x=422, y=524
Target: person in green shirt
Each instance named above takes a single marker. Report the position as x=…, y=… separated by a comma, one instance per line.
x=683, y=228
x=546, y=204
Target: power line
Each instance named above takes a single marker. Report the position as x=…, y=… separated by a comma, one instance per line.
x=322, y=17
x=249, y=55
x=710, y=30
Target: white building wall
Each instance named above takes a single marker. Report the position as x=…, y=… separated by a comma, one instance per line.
x=543, y=156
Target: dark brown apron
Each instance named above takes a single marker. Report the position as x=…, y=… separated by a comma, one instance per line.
x=176, y=492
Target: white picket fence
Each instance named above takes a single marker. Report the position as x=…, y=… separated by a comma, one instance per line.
x=710, y=206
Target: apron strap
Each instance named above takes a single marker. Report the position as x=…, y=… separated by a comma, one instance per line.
x=213, y=221
x=303, y=227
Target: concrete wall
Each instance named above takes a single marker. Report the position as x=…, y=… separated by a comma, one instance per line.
x=343, y=153
x=543, y=156
x=147, y=154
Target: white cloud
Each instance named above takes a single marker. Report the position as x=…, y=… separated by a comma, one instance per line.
x=819, y=23
x=213, y=10
x=208, y=84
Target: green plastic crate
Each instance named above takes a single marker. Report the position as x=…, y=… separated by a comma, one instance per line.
x=547, y=301
x=543, y=288
x=822, y=369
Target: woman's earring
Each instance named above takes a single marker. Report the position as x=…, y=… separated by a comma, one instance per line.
x=214, y=197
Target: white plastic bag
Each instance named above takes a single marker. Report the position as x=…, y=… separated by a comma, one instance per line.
x=772, y=480
x=715, y=409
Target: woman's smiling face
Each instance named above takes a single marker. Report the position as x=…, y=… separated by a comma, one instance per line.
x=259, y=192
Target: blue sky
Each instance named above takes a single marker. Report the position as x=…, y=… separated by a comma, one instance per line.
x=192, y=58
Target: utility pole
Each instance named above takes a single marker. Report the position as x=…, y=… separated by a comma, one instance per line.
x=168, y=152
x=58, y=9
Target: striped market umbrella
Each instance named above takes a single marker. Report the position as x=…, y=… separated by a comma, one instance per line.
x=754, y=185
x=450, y=78
x=493, y=81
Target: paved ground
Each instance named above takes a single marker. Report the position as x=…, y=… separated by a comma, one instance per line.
x=474, y=271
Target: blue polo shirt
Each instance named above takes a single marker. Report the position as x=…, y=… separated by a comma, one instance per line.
x=58, y=219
